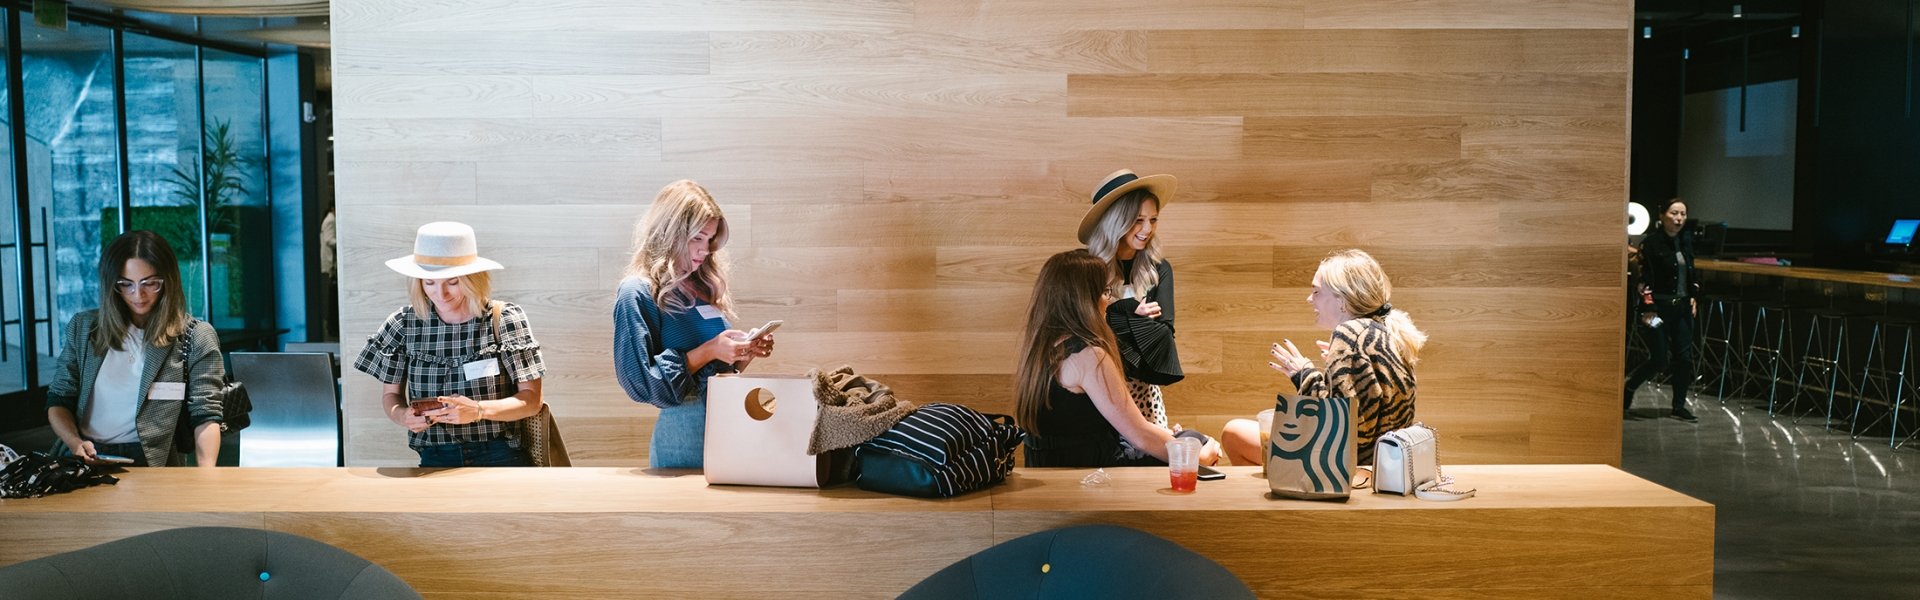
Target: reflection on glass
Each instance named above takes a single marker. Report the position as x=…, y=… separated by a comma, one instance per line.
x=13, y=364
x=73, y=157
x=239, y=230
x=163, y=149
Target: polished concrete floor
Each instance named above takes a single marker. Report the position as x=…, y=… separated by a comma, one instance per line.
x=1802, y=512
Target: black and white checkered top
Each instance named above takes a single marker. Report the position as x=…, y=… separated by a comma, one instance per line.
x=428, y=356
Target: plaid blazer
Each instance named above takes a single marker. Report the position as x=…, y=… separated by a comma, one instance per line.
x=203, y=371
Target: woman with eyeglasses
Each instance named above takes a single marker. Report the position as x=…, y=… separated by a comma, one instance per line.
x=132, y=368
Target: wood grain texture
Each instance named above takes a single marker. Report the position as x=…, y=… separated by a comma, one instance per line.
x=928, y=50
x=997, y=15
x=637, y=16
x=1451, y=14
x=766, y=95
x=894, y=172
x=442, y=53
x=1312, y=138
x=1344, y=94
x=1278, y=50
x=1536, y=531
x=882, y=139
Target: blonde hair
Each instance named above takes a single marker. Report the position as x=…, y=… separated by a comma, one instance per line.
x=1108, y=234
x=660, y=246
x=1065, y=304
x=478, y=288
x=168, y=319
x=1362, y=285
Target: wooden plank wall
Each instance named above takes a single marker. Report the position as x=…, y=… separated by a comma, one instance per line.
x=897, y=170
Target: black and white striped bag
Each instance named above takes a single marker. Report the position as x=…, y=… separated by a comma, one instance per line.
x=940, y=451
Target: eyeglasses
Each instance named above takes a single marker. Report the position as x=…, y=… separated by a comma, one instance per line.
x=149, y=285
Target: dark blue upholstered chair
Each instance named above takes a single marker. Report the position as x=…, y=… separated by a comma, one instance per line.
x=1088, y=561
x=204, y=562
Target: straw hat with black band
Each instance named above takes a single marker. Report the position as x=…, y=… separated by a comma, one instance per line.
x=442, y=250
x=1118, y=185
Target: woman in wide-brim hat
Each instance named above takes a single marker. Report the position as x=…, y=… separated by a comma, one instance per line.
x=1122, y=228
x=459, y=368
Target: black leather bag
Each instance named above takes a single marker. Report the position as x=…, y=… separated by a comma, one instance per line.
x=939, y=451
x=235, y=405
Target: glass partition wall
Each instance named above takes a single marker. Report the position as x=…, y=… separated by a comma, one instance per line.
x=104, y=130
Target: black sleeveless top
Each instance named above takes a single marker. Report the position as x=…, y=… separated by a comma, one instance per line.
x=1077, y=435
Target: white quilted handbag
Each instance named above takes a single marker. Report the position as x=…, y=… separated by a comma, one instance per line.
x=1407, y=462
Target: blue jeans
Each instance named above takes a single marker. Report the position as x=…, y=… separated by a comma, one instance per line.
x=679, y=437
x=490, y=453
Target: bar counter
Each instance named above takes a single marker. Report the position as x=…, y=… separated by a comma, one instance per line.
x=1866, y=278
x=1535, y=531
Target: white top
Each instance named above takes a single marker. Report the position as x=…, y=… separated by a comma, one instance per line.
x=116, y=393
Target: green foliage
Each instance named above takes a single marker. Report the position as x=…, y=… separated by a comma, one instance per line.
x=222, y=169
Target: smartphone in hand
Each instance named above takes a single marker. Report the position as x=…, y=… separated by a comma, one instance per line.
x=763, y=330
x=113, y=459
x=421, y=405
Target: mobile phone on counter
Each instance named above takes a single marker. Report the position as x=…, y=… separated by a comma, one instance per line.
x=763, y=330
x=1209, y=474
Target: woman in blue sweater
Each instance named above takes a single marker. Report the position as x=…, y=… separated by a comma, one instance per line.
x=672, y=321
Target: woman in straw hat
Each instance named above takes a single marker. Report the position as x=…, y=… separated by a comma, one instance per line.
x=140, y=344
x=460, y=369
x=1121, y=228
x=672, y=320
x=1369, y=360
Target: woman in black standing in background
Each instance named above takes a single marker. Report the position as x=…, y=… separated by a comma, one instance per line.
x=1664, y=298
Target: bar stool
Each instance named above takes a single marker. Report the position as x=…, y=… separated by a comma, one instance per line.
x=1718, y=344
x=1824, y=357
x=1766, y=350
x=1884, y=374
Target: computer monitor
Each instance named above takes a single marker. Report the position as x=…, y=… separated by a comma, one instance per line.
x=1902, y=232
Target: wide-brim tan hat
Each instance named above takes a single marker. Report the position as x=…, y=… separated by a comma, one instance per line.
x=441, y=250
x=1117, y=185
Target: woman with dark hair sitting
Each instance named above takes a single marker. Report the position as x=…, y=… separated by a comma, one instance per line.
x=129, y=369
x=1071, y=393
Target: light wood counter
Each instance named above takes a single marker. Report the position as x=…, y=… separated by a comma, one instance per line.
x=1865, y=278
x=1536, y=531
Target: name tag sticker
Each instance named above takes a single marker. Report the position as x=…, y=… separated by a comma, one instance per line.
x=482, y=368
x=167, y=390
x=707, y=311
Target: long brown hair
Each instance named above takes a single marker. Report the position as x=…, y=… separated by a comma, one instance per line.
x=1066, y=305
x=660, y=245
x=167, y=322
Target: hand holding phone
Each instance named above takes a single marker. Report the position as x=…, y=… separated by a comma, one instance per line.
x=763, y=330
x=112, y=459
x=421, y=406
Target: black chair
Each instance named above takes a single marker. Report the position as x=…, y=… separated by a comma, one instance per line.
x=204, y=562
x=1088, y=561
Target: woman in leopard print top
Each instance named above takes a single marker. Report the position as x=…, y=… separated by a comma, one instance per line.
x=1369, y=360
